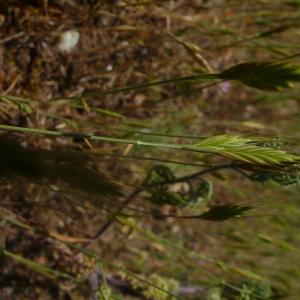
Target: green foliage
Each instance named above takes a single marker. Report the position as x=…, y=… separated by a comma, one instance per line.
x=214, y=293
x=283, y=179
x=37, y=267
x=282, y=244
x=167, y=284
x=161, y=197
x=245, y=150
x=179, y=194
x=25, y=108
x=21, y=103
x=202, y=194
x=150, y=292
x=266, y=76
x=243, y=290
x=159, y=174
x=106, y=293
x=248, y=290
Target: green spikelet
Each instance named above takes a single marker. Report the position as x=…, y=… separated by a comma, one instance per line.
x=246, y=150
x=267, y=76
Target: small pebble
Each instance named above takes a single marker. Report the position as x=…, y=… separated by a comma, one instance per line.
x=68, y=40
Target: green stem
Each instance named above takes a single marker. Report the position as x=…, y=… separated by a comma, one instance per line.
x=196, y=77
x=101, y=138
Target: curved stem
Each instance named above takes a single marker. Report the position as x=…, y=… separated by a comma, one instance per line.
x=136, y=192
x=110, y=221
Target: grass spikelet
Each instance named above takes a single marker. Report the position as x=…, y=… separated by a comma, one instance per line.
x=245, y=150
x=267, y=76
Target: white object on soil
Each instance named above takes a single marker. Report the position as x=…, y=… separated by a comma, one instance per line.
x=68, y=40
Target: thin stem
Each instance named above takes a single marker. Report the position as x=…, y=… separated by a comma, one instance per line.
x=196, y=77
x=143, y=187
x=259, y=35
x=89, y=136
x=289, y=57
x=104, y=139
x=110, y=221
